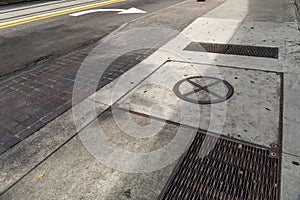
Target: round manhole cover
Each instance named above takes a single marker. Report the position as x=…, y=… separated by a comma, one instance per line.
x=203, y=90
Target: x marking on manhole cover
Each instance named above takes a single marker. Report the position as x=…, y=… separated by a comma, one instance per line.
x=199, y=88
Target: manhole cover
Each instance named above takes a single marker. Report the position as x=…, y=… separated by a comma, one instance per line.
x=232, y=170
x=204, y=90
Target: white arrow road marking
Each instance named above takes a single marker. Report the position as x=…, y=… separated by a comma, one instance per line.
x=132, y=11
x=121, y=11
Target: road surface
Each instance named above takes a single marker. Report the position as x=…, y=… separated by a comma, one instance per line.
x=26, y=45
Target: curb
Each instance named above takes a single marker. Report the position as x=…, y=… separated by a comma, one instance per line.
x=297, y=11
x=297, y=3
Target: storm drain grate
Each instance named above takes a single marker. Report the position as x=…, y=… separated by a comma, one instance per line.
x=243, y=50
x=230, y=171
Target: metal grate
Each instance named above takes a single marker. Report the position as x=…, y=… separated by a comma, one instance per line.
x=243, y=50
x=231, y=170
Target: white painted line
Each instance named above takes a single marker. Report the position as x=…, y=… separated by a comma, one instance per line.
x=121, y=11
x=132, y=11
x=93, y=11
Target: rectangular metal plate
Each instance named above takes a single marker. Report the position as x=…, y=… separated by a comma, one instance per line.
x=231, y=170
x=243, y=50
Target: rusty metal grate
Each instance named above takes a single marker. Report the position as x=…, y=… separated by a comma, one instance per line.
x=243, y=50
x=231, y=170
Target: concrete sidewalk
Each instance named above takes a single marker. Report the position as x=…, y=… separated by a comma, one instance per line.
x=125, y=141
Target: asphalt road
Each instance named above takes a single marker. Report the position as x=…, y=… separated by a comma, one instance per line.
x=27, y=45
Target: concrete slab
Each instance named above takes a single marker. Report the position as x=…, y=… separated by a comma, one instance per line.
x=228, y=25
x=231, y=9
x=81, y=176
x=265, y=34
x=291, y=60
x=291, y=120
x=274, y=11
x=212, y=30
x=251, y=114
x=290, y=182
x=18, y=161
x=228, y=31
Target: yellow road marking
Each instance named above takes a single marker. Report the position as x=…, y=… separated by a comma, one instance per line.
x=54, y=14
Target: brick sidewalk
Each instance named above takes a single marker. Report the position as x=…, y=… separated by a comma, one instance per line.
x=30, y=101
